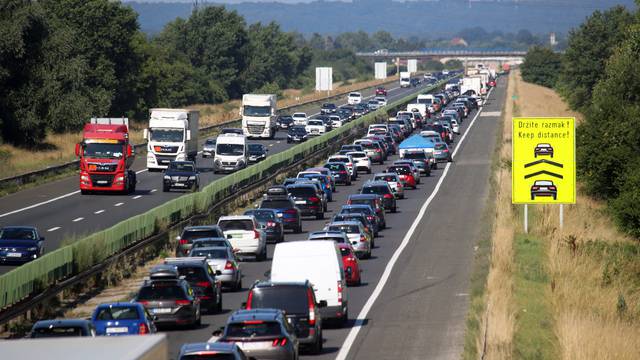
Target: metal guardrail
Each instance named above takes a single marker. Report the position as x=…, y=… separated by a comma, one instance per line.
x=33, y=176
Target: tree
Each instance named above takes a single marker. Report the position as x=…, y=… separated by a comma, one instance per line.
x=589, y=47
x=453, y=64
x=541, y=66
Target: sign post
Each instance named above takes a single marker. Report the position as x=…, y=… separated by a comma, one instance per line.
x=543, y=166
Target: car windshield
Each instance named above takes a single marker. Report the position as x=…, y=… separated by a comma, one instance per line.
x=17, y=234
x=211, y=253
x=57, y=331
x=182, y=167
x=286, y=118
x=375, y=190
x=291, y=299
x=425, y=101
x=200, y=234
x=299, y=115
x=252, y=329
x=388, y=178
x=117, y=313
x=230, y=149
x=167, y=135
x=161, y=291
x=256, y=110
x=354, y=95
x=298, y=130
x=275, y=204
x=301, y=191
x=103, y=151
x=239, y=224
x=349, y=229
x=262, y=215
x=329, y=106
x=210, y=142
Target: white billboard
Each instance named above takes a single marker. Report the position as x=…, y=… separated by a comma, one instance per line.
x=412, y=65
x=381, y=70
x=324, y=79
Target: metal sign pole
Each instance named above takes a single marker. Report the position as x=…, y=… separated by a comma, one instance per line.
x=561, y=216
x=526, y=218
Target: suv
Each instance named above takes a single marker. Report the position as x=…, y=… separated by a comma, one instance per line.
x=220, y=351
x=347, y=160
x=339, y=172
x=307, y=200
x=169, y=297
x=245, y=234
x=202, y=279
x=381, y=188
x=365, y=210
x=190, y=233
x=328, y=108
x=361, y=161
x=298, y=301
x=285, y=208
x=261, y=334
x=373, y=149
x=394, y=182
x=272, y=223
x=373, y=200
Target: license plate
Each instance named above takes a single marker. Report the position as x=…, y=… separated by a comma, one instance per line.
x=301, y=202
x=254, y=345
x=101, y=181
x=117, y=330
x=12, y=254
x=162, y=311
x=178, y=184
x=164, y=161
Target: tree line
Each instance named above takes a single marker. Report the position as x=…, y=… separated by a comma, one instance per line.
x=64, y=61
x=599, y=75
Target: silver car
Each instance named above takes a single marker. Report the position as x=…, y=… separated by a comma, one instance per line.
x=360, y=239
x=222, y=258
x=209, y=148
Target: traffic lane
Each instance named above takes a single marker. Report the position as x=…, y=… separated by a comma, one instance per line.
x=421, y=312
x=373, y=268
x=79, y=215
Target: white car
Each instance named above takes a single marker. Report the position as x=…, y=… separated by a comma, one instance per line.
x=361, y=160
x=315, y=127
x=336, y=121
x=354, y=98
x=245, y=235
x=455, y=126
x=300, y=118
x=347, y=160
x=381, y=100
x=394, y=182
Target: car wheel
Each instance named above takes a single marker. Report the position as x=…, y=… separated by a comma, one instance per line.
x=317, y=346
x=299, y=229
x=219, y=305
x=345, y=319
x=369, y=171
x=394, y=209
x=239, y=284
x=198, y=321
x=348, y=183
x=165, y=189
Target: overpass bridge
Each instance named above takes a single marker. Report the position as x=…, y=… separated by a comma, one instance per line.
x=469, y=57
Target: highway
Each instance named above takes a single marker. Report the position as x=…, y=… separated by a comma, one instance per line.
x=413, y=300
x=59, y=211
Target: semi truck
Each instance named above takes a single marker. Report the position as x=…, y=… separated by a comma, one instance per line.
x=259, y=117
x=172, y=135
x=105, y=156
x=405, y=79
x=473, y=83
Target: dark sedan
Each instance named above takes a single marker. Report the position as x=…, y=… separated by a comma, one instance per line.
x=273, y=226
x=257, y=153
x=284, y=121
x=181, y=175
x=297, y=134
x=20, y=244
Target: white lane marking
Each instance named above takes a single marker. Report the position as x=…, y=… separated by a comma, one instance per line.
x=464, y=136
x=353, y=333
x=153, y=190
x=99, y=212
x=78, y=219
x=492, y=113
x=141, y=171
x=271, y=145
x=119, y=204
x=54, y=229
x=278, y=142
x=137, y=197
x=39, y=204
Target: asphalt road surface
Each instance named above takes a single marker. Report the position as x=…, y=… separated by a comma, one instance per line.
x=413, y=300
x=59, y=211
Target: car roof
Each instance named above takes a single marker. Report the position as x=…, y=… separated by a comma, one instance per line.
x=325, y=233
x=347, y=222
x=201, y=227
x=375, y=183
x=209, y=239
x=213, y=248
x=355, y=206
x=219, y=347
x=364, y=196
x=302, y=183
x=269, y=283
x=236, y=217
x=385, y=174
x=61, y=322
x=119, y=304
x=255, y=314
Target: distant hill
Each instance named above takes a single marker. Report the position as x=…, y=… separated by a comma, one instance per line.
x=413, y=18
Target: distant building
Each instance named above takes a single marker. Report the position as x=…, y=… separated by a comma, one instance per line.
x=458, y=41
x=552, y=39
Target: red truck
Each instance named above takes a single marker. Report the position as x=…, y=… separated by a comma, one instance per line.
x=106, y=156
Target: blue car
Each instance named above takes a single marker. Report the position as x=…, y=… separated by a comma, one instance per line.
x=116, y=319
x=20, y=244
x=326, y=187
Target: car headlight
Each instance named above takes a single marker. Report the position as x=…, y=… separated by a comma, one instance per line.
x=167, y=177
x=34, y=248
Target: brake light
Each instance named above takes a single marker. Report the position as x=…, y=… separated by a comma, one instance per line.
x=184, y=241
x=388, y=196
x=203, y=284
x=349, y=202
x=339, y=292
x=290, y=211
x=143, y=302
x=143, y=329
x=277, y=342
x=314, y=199
x=253, y=322
x=534, y=188
x=183, y=302
x=312, y=308
x=369, y=217
x=271, y=224
x=256, y=234
x=377, y=150
x=249, y=298
x=552, y=187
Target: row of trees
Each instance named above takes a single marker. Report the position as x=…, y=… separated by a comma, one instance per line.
x=63, y=61
x=599, y=75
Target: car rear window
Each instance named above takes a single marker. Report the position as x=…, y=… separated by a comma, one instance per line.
x=193, y=273
x=291, y=299
x=303, y=191
x=262, y=215
x=57, y=331
x=358, y=155
x=339, y=159
x=200, y=234
x=276, y=204
x=252, y=329
x=355, y=210
x=375, y=190
x=361, y=201
x=400, y=170
x=161, y=291
x=440, y=146
x=335, y=167
x=367, y=145
x=337, y=239
x=209, y=243
x=415, y=155
x=211, y=254
x=349, y=229
x=117, y=313
x=390, y=178
x=246, y=225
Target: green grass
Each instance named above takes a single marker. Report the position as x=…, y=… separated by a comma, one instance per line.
x=534, y=335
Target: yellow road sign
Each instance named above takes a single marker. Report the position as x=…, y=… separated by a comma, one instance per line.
x=543, y=166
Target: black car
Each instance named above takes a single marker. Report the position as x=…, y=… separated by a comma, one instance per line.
x=328, y=108
x=298, y=301
x=381, y=188
x=339, y=172
x=191, y=233
x=306, y=198
x=415, y=82
x=297, y=133
x=326, y=120
x=62, y=328
x=20, y=244
x=273, y=225
x=346, y=113
x=181, y=175
x=169, y=297
x=365, y=210
x=202, y=279
x=375, y=201
x=257, y=152
x=285, y=208
x=284, y=121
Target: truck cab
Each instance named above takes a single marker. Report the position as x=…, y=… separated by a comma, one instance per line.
x=231, y=153
x=259, y=117
x=172, y=136
x=106, y=156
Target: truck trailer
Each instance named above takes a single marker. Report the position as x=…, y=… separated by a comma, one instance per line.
x=172, y=135
x=258, y=113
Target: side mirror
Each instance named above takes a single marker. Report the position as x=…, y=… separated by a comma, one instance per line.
x=229, y=237
x=188, y=135
x=78, y=149
x=322, y=303
x=243, y=305
x=129, y=150
x=145, y=134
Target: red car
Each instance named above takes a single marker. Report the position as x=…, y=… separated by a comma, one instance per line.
x=350, y=264
x=405, y=173
x=381, y=91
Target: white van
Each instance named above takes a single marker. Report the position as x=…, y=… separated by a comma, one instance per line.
x=245, y=235
x=231, y=153
x=319, y=262
x=354, y=98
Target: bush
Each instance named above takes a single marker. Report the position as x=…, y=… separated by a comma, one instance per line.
x=541, y=66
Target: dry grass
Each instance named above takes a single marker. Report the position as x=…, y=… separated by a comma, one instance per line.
x=60, y=147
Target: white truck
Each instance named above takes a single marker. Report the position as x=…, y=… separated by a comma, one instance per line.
x=405, y=79
x=259, y=117
x=422, y=108
x=473, y=83
x=172, y=135
x=429, y=101
x=231, y=153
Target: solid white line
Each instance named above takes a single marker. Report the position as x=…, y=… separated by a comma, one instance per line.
x=137, y=197
x=141, y=171
x=455, y=151
x=39, y=204
x=54, y=229
x=353, y=333
x=153, y=190
x=119, y=204
x=99, y=212
x=78, y=219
